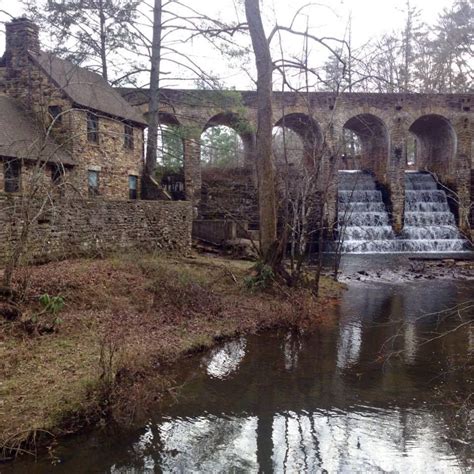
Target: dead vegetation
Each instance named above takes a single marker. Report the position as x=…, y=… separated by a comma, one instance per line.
x=125, y=320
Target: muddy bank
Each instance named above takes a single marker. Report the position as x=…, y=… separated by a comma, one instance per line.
x=125, y=321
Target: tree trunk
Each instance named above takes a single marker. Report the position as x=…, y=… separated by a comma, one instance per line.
x=103, y=55
x=150, y=190
x=265, y=167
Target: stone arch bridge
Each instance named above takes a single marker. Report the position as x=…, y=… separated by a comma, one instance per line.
x=442, y=124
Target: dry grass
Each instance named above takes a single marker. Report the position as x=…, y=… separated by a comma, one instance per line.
x=126, y=318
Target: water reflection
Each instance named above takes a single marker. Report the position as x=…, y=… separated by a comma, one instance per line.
x=334, y=400
x=360, y=440
x=291, y=348
x=410, y=342
x=186, y=444
x=471, y=339
x=224, y=360
x=350, y=341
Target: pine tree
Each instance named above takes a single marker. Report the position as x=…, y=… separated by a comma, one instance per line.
x=454, y=47
x=92, y=33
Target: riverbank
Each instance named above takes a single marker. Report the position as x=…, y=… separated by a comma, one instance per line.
x=125, y=321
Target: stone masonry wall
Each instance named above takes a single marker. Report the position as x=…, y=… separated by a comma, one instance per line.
x=96, y=227
x=395, y=114
x=113, y=161
x=229, y=194
x=472, y=199
x=24, y=80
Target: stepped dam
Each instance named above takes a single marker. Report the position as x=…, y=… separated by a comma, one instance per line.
x=364, y=224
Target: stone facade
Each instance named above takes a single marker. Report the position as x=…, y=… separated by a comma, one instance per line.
x=25, y=79
x=109, y=157
x=72, y=228
x=443, y=125
x=89, y=131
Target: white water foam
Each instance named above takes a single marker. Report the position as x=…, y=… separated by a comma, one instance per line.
x=364, y=223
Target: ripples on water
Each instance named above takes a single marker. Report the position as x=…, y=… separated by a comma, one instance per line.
x=361, y=440
x=329, y=401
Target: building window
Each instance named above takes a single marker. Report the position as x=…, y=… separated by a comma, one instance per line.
x=93, y=183
x=128, y=136
x=55, y=112
x=11, y=173
x=92, y=127
x=133, y=187
x=57, y=173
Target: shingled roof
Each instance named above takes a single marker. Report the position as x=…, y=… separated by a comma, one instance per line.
x=21, y=136
x=86, y=88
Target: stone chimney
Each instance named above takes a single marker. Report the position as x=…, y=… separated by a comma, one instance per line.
x=22, y=35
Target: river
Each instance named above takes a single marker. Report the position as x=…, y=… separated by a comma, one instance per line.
x=378, y=389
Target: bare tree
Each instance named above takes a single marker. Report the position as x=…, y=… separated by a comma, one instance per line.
x=149, y=184
x=265, y=166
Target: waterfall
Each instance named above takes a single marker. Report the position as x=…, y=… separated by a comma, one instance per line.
x=429, y=224
x=364, y=223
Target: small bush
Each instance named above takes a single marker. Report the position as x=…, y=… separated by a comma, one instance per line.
x=46, y=320
x=262, y=279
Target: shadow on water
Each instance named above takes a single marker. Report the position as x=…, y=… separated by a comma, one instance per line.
x=369, y=394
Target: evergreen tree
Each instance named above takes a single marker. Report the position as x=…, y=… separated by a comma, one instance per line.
x=92, y=33
x=409, y=37
x=221, y=146
x=170, y=149
x=454, y=47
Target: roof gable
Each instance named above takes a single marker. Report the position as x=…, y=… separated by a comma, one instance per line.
x=21, y=136
x=86, y=88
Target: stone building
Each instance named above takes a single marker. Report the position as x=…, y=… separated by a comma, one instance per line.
x=71, y=159
x=64, y=122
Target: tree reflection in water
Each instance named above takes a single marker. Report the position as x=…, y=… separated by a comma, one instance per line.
x=362, y=440
x=225, y=359
x=329, y=400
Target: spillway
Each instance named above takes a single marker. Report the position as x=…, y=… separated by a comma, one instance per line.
x=364, y=222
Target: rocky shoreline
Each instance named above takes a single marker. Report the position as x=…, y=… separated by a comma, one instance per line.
x=414, y=269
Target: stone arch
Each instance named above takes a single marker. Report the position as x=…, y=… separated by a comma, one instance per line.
x=373, y=135
x=241, y=126
x=436, y=142
x=170, y=155
x=168, y=118
x=308, y=130
x=167, y=121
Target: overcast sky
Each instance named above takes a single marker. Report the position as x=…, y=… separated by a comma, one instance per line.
x=370, y=18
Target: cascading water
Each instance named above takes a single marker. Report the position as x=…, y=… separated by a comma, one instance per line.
x=364, y=224
x=429, y=224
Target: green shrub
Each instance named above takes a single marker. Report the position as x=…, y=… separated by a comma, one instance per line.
x=47, y=319
x=263, y=278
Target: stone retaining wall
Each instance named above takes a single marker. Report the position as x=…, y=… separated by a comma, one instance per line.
x=95, y=227
x=472, y=199
x=218, y=231
x=229, y=194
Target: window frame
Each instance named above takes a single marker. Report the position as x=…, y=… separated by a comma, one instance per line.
x=92, y=127
x=128, y=136
x=132, y=192
x=12, y=176
x=57, y=173
x=55, y=113
x=93, y=191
